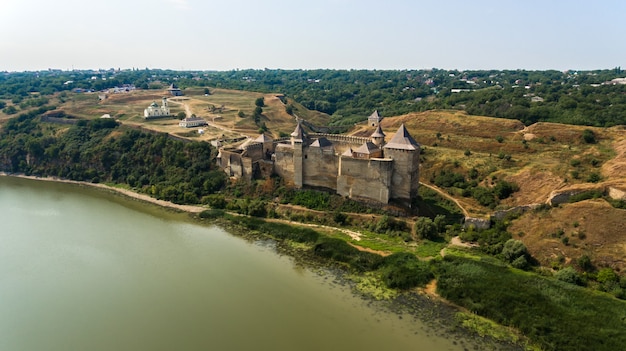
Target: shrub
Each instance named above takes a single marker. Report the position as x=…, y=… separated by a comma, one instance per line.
x=284, y=231
x=594, y=177
x=500, y=139
x=405, y=271
x=484, y=196
x=340, y=218
x=257, y=208
x=584, y=262
x=210, y=214
x=607, y=275
x=568, y=275
x=339, y=250
x=589, y=136
x=513, y=249
x=473, y=173
x=520, y=263
x=215, y=201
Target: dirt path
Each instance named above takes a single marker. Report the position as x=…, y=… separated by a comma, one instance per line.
x=456, y=241
x=351, y=233
x=447, y=196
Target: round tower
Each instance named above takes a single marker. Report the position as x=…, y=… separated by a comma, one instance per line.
x=378, y=137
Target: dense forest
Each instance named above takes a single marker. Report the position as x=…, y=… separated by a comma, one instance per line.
x=348, y=96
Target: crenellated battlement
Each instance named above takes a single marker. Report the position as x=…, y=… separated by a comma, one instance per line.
x=348, y=139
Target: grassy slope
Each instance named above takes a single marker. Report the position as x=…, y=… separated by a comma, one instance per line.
x=543, y=166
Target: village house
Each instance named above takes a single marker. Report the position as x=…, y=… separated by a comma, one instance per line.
x=192, y=121
x=174, y=91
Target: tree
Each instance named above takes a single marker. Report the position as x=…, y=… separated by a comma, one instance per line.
x=504, y=189
x=440, y=223
x=424, y=228
x=289, y=109
x=207, y=91
x=260, y=102
x=181, y=115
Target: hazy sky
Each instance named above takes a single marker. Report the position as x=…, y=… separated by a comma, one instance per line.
x=343, y=34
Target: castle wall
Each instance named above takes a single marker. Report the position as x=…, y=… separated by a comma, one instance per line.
x=236, y=166
x=283, y=162
x=255, y=151
x=320, y=167
x=365, y=179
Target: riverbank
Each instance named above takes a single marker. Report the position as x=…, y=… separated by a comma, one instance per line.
x=122, y=191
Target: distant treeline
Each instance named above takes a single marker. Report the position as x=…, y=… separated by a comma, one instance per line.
x=349, y=96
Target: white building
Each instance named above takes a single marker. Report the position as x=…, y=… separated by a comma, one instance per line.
x=193, y=121
x=154, y=111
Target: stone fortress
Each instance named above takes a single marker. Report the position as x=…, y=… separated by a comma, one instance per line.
x=364, y=169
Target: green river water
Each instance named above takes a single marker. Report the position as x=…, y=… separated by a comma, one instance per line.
x=81, y=269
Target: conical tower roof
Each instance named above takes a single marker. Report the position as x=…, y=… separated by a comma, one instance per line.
x=368, y=148
x=402, y=140
x=375, y=115
x=298, y=133
x=263, y=139
x=322, y=142
x=378, y=133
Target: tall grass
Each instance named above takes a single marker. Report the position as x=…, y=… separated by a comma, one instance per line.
x=554, y=314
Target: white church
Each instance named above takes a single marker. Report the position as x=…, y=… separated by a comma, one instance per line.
x=156, y=111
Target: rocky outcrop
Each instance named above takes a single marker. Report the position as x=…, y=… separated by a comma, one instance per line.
x=617, y=194
x=557, y=198
x=477, y=223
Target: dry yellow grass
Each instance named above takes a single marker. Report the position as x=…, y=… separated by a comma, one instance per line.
x=603, y=230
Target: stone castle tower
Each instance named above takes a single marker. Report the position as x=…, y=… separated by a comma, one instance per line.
x=405, y=153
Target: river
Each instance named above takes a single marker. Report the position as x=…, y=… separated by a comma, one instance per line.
x=82, y=269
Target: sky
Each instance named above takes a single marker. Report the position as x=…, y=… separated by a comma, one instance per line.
x=298, y=34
